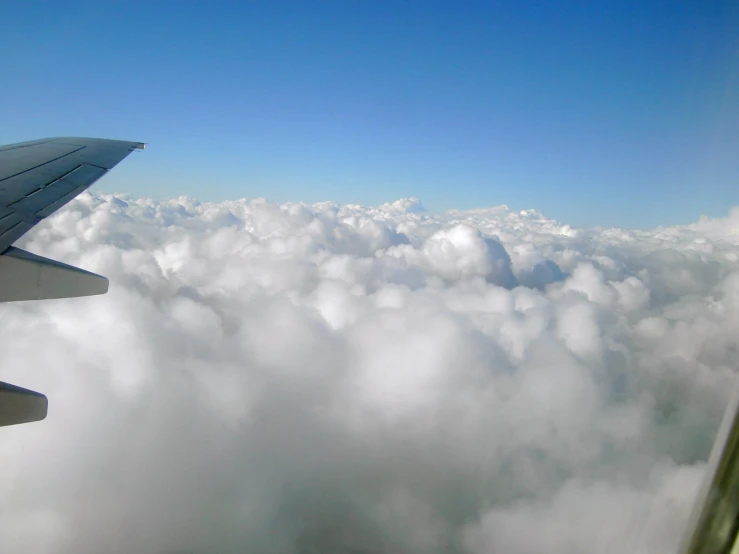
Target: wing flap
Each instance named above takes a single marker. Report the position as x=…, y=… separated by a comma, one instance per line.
x=51, y=208
x=47, y=200
x=15, y=230
x=19, y=186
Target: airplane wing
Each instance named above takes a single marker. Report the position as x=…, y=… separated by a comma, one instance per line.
x=36, y=179
x=39, y=177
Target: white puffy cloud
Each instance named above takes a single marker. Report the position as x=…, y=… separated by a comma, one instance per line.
x=321, y=378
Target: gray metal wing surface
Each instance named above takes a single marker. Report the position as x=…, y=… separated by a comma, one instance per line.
x=39, y=177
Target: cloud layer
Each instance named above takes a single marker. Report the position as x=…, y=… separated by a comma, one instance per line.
x=298, y=379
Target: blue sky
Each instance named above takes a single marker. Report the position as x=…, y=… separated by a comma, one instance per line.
x=597, y=113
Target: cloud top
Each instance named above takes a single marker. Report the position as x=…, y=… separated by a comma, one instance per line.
x=323, y=378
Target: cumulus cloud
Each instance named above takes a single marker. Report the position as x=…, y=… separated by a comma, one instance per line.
x=320, y=378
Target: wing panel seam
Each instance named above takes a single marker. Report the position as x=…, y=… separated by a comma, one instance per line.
x=43, y=164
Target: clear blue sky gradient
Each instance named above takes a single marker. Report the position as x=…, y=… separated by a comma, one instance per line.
x=597, y=113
